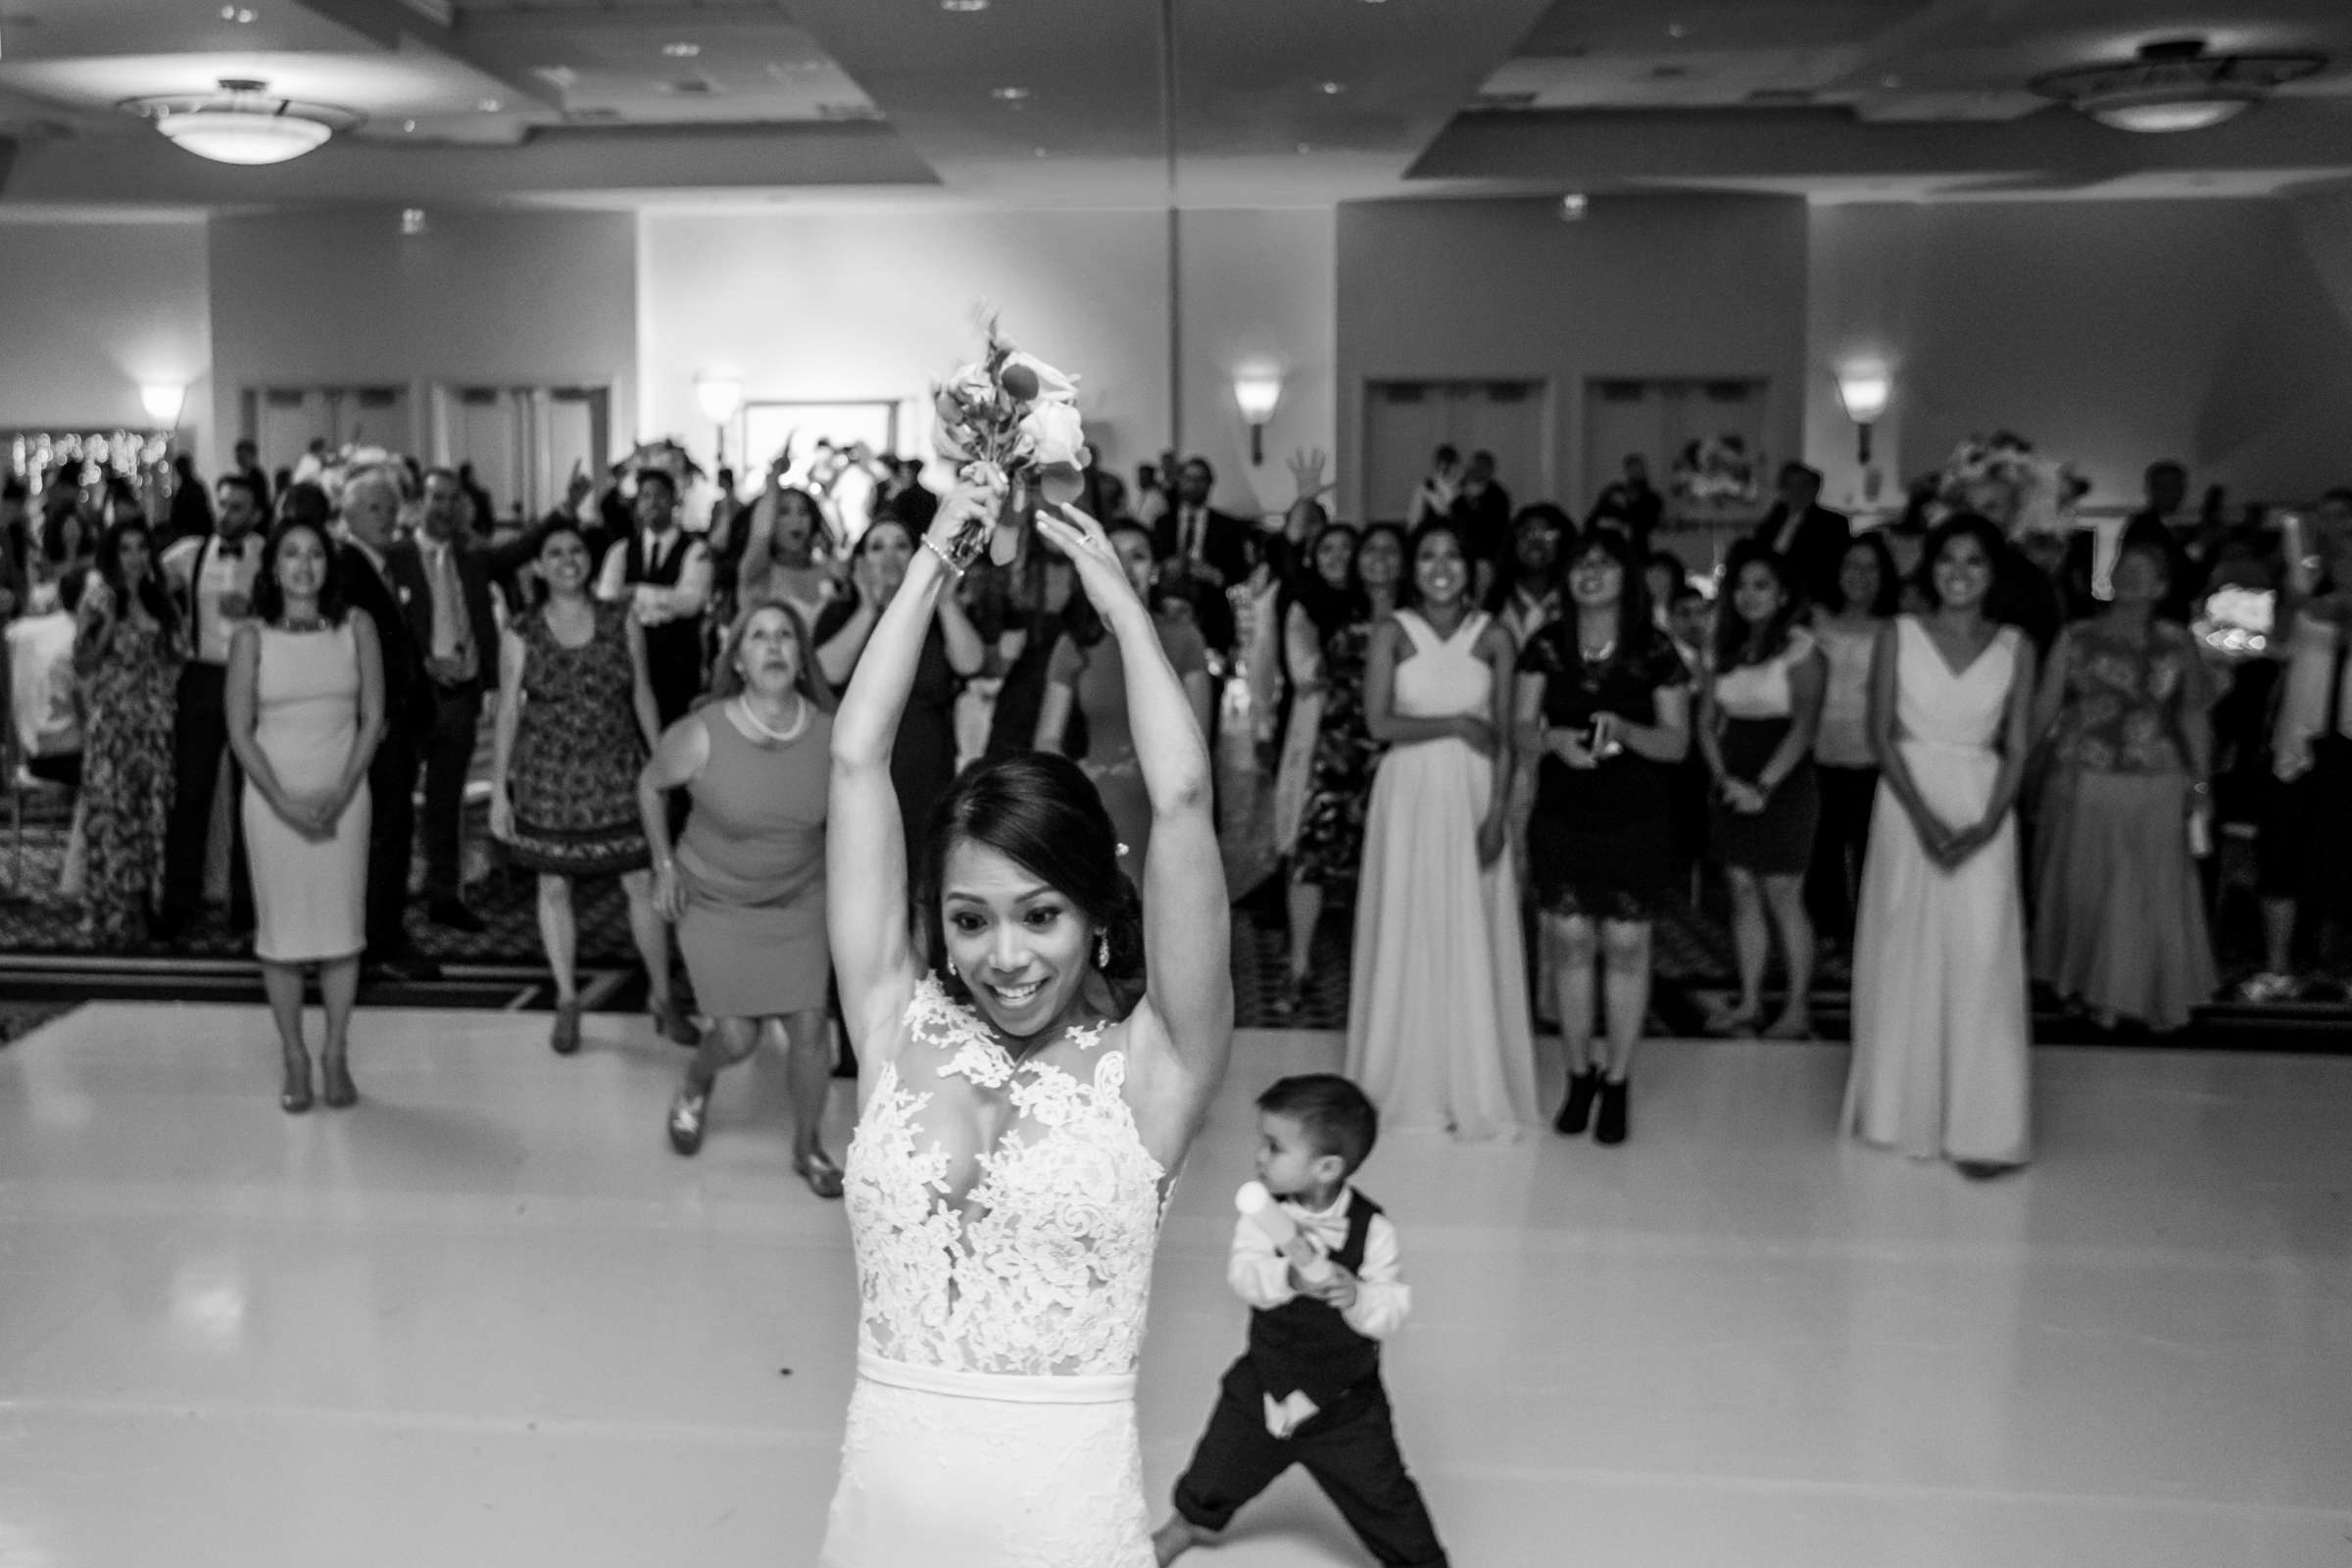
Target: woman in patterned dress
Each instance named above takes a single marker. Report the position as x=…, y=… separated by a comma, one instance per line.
x=2119, y=912
x=575, y=721
x=1328, y=849
x=127, y=650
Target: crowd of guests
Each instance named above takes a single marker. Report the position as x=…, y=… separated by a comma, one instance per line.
x=1507, y=740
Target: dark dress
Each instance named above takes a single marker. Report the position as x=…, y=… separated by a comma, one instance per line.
x=1601, y=842
x=1330, y=848
x=1755, y=711
x=128, y=691
x=577, y=752
x=922, y=761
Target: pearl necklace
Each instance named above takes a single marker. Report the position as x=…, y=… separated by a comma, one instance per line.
x=782, y=737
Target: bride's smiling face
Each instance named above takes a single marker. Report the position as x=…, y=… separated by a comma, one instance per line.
x=1020, y=947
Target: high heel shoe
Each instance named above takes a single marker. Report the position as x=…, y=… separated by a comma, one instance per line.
x=564, y=1039
x=293, y=1100
x=1576, y=1112
x=820, y=1173
x=341, y=1092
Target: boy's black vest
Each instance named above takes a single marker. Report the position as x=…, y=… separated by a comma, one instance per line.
x=674, y=648
x=1305, y=1344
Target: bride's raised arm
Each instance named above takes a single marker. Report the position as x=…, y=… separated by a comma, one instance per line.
x=865, y=845
x=1188, y=929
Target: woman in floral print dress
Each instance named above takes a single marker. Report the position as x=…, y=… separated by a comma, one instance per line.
x=127, y=651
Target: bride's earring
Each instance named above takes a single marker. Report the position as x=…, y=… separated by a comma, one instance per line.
x=1103, y=949
x=950, y=968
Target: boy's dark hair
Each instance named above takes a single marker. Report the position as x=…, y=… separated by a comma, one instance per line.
x=1336, y=1115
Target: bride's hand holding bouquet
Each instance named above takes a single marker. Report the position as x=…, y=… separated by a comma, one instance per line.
x=1010, y=423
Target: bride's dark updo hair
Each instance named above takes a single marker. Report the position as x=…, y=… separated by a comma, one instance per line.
x=1044, y=814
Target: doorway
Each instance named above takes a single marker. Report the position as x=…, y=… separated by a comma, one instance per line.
x=1407, y=422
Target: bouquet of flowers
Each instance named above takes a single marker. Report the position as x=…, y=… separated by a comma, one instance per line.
x=1718, y=471
x=2003, y=478
x=1010, y=419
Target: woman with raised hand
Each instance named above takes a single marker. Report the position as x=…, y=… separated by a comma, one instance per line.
x=1039, y=1048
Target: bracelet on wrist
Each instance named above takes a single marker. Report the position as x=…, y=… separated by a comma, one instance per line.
x=949, y=562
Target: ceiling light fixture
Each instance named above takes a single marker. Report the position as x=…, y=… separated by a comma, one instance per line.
x=965, y=7
x=2174, y=84
x=242, y=124
x=412, y=222
x=1573, y=206
x=1332, y=89
x=1009, y=95
x=681, y=51
x=489, y=105
x=243, y=16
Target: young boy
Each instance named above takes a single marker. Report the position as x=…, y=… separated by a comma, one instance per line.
x=1307, y=1390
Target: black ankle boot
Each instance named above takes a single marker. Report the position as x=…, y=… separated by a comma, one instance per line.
x=1576, y=1112
x=1610, y=1126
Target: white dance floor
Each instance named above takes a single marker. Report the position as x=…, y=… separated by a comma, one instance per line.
x=488, y=1317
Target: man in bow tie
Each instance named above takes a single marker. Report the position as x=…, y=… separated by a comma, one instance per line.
x=665, y=575
x=212, y=578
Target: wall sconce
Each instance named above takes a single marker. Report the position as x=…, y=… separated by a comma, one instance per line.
x=1257, y=392
x=721, y=399
x=163, y=400
x=1864, y=390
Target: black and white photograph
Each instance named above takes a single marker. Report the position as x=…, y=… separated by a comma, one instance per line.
x=1094, y=783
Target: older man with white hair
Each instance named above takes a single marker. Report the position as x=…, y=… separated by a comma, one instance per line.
x=371, y=501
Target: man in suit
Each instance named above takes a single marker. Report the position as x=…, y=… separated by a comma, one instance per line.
x=664, y=574
x=1203, y=552
x=1807, y=535
x=371, y=510
x=212, y=578
x=442, y=580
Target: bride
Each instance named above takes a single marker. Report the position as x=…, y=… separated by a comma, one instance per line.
x=1025, y=1099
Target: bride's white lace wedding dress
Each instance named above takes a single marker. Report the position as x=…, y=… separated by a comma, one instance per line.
x=1002, y=1297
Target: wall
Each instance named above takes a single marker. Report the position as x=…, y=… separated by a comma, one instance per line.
x=1644, y=287
x=95, y=309
x=842, y=306
x=2109, y=333
x=337, y=297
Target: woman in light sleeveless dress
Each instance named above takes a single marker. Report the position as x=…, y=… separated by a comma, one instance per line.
x=1940, y=1027
x=1438, y=1026
x=305, y=709
x=1025, y=1101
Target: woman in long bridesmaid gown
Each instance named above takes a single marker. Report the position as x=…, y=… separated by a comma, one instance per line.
x=1940, y=1027
x=1438, y=1026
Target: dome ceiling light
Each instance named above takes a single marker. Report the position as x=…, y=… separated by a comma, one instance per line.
x=242, y=124
x=2174, y=84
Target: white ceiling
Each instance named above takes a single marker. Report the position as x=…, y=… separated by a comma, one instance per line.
x=1222, y=102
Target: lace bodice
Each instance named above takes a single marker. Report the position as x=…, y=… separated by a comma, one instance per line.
x=1031, y=1257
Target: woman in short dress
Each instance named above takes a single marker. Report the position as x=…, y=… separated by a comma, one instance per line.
x=127, y=650
x=2119, y=914
x=305, y=709
x=1609, y=700
x=1327, y=848
x=1758, y=710
x=1087, y=674
x=1940, y=1028
x=747, y=882
x=575, y=721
